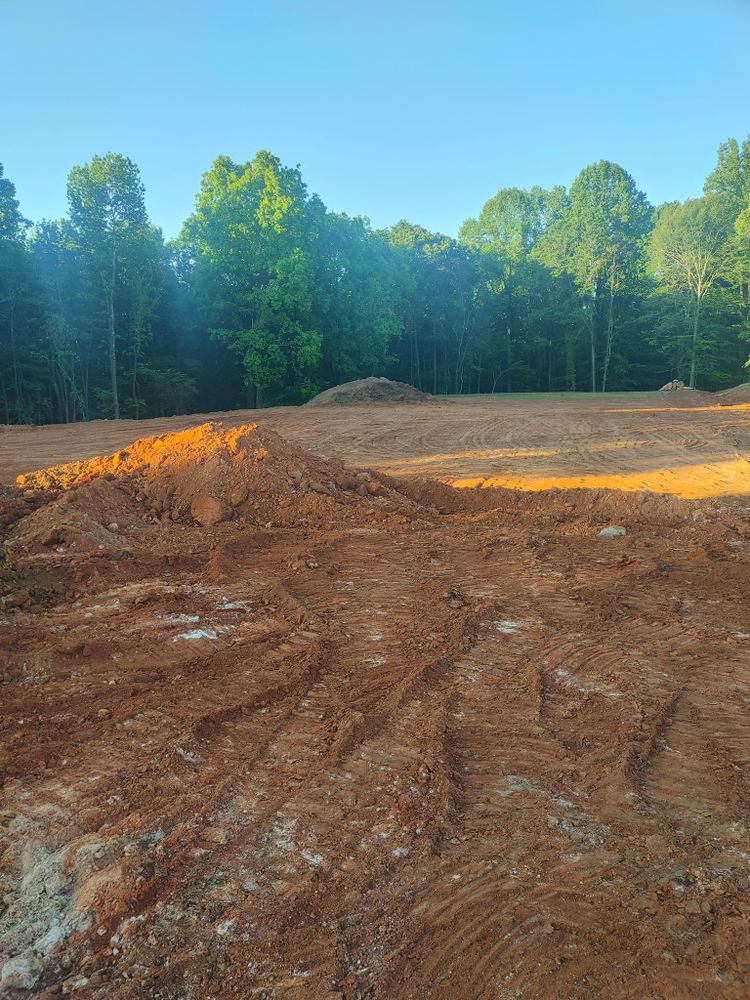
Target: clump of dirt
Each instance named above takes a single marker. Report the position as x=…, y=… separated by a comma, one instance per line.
x=365, y=391
x=738, y=394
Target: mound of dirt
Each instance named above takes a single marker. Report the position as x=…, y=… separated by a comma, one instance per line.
x=202, y=476
x=682, y=395
x=734, y=396
x=365, y=391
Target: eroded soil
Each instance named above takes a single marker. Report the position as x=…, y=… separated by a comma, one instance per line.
x=362, y=735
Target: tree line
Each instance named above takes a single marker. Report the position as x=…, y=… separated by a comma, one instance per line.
x=267, y=297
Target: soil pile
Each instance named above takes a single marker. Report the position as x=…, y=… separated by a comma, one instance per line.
x=737, y=395
x=366, y=391
x=206, y=473
x=682, y=395
x=202, y=477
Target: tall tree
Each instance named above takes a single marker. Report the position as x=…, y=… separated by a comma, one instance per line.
x=688, y=253
x=251, y=238
x=108, y=215
x=507, y=228
x=599, y=238
x=14, y=278
x=731, y=175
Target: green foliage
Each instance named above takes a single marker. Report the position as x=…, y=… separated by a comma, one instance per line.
x=689, y=255
x=267, y=297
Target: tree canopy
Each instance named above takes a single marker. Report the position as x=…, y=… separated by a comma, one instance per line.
x=268, y=297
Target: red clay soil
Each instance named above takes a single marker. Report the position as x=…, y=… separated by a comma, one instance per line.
x=276, y=728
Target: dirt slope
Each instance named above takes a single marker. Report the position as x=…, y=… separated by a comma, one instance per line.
x=738, y=394
x=368, y=737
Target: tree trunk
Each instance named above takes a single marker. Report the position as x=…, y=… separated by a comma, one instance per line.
x=610, y=338
x=508, y=359
x=508, y=344
x=691, y=383
x=593, y=350
x=113, y=355
x=109, y=293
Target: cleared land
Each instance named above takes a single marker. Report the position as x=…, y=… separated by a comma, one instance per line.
x=361, y=735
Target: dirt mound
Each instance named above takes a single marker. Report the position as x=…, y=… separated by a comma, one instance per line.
x=365, y=391
x=683, y=395
x=738, y=394
x=204, y=476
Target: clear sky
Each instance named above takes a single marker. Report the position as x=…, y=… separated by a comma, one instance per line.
x=418, y=109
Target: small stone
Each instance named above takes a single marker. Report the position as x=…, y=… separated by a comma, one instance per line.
x=207, y=510
x=238, y=496
x=113, y=526
x=317, y=487
x=53, y=537
x=16, y=599
x=20, y=973
x=345, y=482
x=613, y=531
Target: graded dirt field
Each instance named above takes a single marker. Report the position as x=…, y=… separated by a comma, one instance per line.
x=283, y=718
x=636, y=441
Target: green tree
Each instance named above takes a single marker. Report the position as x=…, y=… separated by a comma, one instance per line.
x=731, y=175
x=108, y=216
x=507, y=228
x=688, y=254
x=597, y=238
x=251, y=240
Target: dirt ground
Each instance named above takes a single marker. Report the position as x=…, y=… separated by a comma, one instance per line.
x=276, y=726
x=632, y=442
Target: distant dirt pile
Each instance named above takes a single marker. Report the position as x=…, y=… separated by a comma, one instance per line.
x=679, y=394
x=365, y=391
x=737, y=395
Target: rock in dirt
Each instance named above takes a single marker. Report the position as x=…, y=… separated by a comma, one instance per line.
x=16, y=599
x=208, y=511
x=20, y=973
x=613, y=531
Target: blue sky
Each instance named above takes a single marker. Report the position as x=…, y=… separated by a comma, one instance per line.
x=414, y=109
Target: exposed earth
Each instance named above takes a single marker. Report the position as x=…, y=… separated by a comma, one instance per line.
x=365, y=391
x=283, y=717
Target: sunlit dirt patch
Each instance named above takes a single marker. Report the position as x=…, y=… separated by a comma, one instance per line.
x=691, y=482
